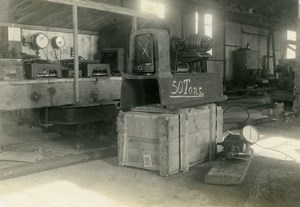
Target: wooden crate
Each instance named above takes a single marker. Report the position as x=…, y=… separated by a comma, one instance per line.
x=168, y=141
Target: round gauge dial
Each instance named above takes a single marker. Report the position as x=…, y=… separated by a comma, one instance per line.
x=250, y=134
x=40, y=41
x=58, y=42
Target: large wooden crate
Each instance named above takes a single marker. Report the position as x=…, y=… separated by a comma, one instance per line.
x=168, y=141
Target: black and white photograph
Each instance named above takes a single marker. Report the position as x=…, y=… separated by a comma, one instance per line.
x=149, y=103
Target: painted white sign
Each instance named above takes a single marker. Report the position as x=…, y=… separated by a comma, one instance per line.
x=147, y=160
x=14, y=34
x=185, y=89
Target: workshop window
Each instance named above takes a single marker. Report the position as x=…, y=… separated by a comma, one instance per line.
x=208, y=27
x=153, y=8
x=196, y=22
x=291, y=45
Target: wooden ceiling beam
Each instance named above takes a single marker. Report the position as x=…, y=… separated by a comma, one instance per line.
x=44, y=28
x=103, y=7
x=233, y=7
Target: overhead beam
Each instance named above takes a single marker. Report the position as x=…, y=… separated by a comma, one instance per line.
x=234, y=14
x=45, y=28
x=103, y=7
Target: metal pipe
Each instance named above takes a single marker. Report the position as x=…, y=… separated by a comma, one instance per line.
x=76, y=60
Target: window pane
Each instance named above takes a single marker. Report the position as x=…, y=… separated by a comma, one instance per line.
x=291, y=35
x=208, y=31
x=292, y=46
x=153, y=8
x=208, y=19
x=196, y=22
x=290, y=54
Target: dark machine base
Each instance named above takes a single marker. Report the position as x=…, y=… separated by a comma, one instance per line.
x=180, y=90
x=81, y=121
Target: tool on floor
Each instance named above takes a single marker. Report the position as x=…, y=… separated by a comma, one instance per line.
x=237, y=146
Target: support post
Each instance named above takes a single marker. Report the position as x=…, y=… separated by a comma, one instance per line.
x=134, y=24
x=273, y=48
x=76, y=60
x=296, y=104
x=268, y=49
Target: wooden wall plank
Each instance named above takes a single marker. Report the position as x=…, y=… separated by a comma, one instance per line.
x=233, y=34
x=188, y=23
x=218, y=38
x=87, y=43
x=237, y=36
x=229, y=62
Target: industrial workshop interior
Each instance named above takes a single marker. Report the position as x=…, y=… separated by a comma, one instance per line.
x=149, y=103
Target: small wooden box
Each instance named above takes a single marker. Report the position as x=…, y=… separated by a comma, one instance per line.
x=168, y=141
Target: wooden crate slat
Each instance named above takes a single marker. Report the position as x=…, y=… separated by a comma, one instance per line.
x=198, y=120
x=122, y=135
x=141, y=125
x=135, y=142
x=184, y=126
x=140, y=165
x=169, y=163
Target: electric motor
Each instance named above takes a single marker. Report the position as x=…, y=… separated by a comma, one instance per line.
x=198, y=42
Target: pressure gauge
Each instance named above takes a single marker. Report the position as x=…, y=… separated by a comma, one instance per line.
x=40, y=41
x=250, y=134
x=58, y=42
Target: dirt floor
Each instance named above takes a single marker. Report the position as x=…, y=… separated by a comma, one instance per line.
x=273, y=178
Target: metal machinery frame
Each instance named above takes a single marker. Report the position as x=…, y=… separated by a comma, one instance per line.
x=154, y=83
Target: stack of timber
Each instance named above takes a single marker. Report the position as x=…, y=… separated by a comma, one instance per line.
x=168, y=141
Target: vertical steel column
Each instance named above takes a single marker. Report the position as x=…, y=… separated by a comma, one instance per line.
x=76, y=60
x=296, y=104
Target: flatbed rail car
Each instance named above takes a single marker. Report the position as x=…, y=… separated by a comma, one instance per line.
x=31, y=94
x=47, y=103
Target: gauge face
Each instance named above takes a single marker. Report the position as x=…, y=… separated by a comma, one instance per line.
x=58, y=42
x=41, y=41
x=250, y=134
